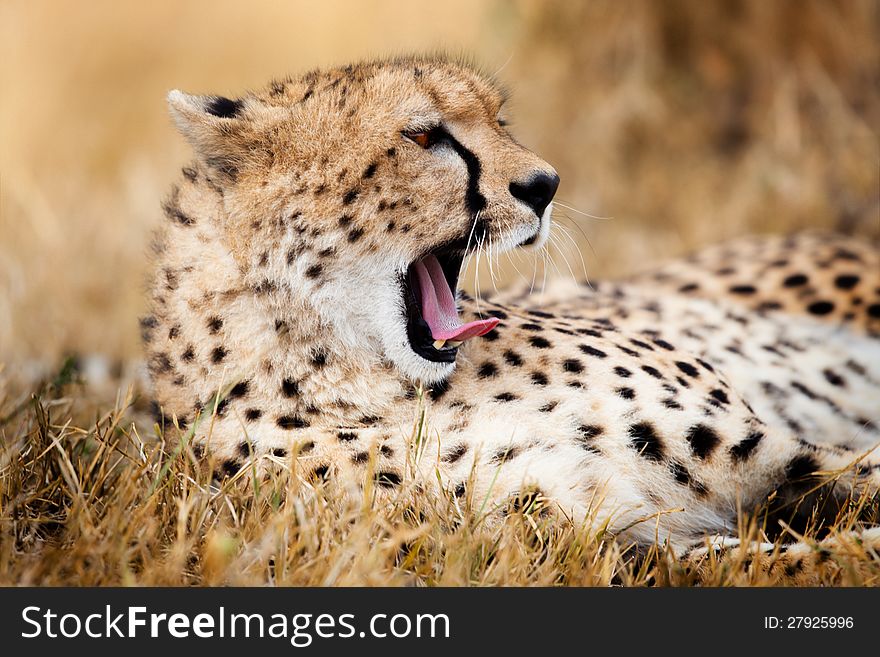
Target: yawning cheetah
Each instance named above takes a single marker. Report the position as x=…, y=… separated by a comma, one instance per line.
x=306, y=297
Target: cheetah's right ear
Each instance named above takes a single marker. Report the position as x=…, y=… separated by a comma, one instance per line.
x=214, y=126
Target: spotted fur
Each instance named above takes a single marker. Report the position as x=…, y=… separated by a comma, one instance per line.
x=659, y=405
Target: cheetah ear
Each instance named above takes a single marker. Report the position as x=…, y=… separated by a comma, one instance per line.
x=215, y=127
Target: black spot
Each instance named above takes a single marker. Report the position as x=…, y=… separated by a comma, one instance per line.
x=320, y=473
x=459, y=490
x=314, y=271
x=160, y=363
x=671, y=403
x=455, y=453
x=874, y=310
x=705, y=365
x=387, y=479
x=573, y=365
x=319, y=359
x=221, y=407
x=720, y=395
x=253, y=414
x=663, y=344
x=683, y=477
x=801, y=467
x=505, y=454
x=360, y=457
x=549, y=406
x=653, y=371
x=834, y=379
x=391, y=152
x=279, y=452
x=225, y=108
x=531, y=327
x=500, y=314
x=626, y=393
x=349, y=197
x=592, y=351
x=689, y=287
x=622, y=372
x=345, y=220
x=627, y=350
x=846, y=281
x=795, y=280
x=346, y=436
x=645, y=440
x=538, y=342
x=512, y=358
x=743, y=449
x=743, y=289
x=240, y=389
x=506, y=397
x=820, y=308
x=487, y=370
x=291, y=422
x=228, y=468
x=540, y=313
x=368, y=420
x=218, y=354
x=370, y=171
x=491, y=336
x=703, y=440
x=355, y=234
x=386, y=451
x=642, y=345
x=173, y=332
x=590, y=332
x=215, y=324
x=539, y=378
x=589, y=431
x=289, y=388
x=244, y=449
x=687, y=368
x=188, y=355
x=439, y=389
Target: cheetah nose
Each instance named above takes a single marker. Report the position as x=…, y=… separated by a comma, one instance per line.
x=537, y=191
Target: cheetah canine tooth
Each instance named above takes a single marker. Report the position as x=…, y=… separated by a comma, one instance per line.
x=438, y=344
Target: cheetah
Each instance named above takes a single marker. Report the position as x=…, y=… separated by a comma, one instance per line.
x=305, y=309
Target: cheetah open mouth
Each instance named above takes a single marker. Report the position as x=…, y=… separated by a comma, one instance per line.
x=433, y=326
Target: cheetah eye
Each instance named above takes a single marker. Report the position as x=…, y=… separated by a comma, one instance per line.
x=503, y=123
x=424, y=138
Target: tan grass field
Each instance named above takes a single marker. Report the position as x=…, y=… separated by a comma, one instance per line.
x=674, y=124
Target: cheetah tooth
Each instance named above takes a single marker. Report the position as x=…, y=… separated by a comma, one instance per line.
x=455, y=343
x=438, y=344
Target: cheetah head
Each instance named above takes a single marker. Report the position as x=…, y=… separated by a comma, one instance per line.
x=356, y=193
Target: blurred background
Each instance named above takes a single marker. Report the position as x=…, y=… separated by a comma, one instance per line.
x=676, y=122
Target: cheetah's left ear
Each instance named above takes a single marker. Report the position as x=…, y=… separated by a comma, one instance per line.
x=215, y=127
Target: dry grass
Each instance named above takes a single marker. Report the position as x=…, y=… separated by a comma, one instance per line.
x=685, y=121
x=113, y=501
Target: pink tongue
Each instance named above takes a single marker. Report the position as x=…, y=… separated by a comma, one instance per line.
x=438, y=305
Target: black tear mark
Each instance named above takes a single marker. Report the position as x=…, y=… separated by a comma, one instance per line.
x=225, y=108
x=473, y=198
